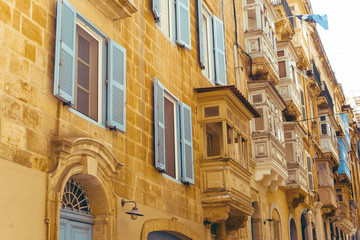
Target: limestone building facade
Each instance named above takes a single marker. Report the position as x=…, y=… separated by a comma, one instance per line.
x=163, y=119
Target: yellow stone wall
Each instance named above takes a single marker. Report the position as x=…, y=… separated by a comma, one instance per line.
x=23, y=198
x=31, y=116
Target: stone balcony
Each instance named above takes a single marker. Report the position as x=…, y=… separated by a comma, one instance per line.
x=263, y=56
x=269, y=155
x=115, y=9
x=301, y=47
x=328, y=147
x=285, y=24
x=291, y=95
x=328, y=198
x=226, y=192
x=343, y=220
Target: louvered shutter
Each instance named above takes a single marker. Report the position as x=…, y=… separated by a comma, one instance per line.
x=200, y=29
x=156, y=9
x=183, y=23
x=310, y=175
x=159, y=126
x=65, y=51
x=219, y=52
x=116, y=113
x=187, y=160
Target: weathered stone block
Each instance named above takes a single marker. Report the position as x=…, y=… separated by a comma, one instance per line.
x=39, y=15
x=5, y=13
x=23, y=6
x=18, y=66
x=22, y=157
x=10, y=108
x=30, y=51
x=31, y=31
x=16, y=19
x=31, y=117
x=13, y=134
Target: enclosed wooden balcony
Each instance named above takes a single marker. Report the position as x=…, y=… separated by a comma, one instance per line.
x=260, y=39
x=297, y=189
x=267, y=135
x=288, y=85
x=327, y=194
x=224, y=114
x=301, y=45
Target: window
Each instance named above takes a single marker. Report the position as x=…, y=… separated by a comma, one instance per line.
x=276, y=225
x=325, y=176
x=211, y=46
x=237, y=145
x=323, y=129
x=170, y=13
x=310, y=175
x=207, y=42
x=303, y=110
x=81, y=69
x=173, y=135
x=282, y=69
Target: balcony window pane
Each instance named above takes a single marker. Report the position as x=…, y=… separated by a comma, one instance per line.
x=237, y=147
x=211, y=111
x=244, y=153
x=282, y=69
x=214, y=139
x=323, y=129
x=230, y=140
x=252, y=19
x=259, y=122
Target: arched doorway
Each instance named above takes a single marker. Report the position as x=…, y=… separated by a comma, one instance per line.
x=293, y=231
x=304, y=228
x=75, y=215
x=160, y=235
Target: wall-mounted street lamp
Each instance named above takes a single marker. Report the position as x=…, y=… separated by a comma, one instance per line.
x=309, y=212
x=134, y=211
x=268, y=220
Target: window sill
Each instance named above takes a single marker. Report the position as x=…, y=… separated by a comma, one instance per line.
x=86, y=117
x=115, y=9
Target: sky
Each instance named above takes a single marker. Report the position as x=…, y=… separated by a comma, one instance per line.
x=342, y=40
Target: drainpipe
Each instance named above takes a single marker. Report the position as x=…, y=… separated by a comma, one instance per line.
x=236, y=45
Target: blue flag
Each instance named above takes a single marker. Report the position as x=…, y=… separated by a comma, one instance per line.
x=320, y=19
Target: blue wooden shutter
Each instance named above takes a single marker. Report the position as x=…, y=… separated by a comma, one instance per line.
x=183, y=23
x=187, y=160
x=219, y=52
x=200, y=29
x=65, y=51
x=156, y=9
x=116, y=114
x=159, y=126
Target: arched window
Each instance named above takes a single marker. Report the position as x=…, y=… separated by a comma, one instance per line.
x=293, y=231
x=75, y=214
x=75, y=198
x=276, y=225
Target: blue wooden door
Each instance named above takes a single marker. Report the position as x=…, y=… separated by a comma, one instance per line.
x=72, y=228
